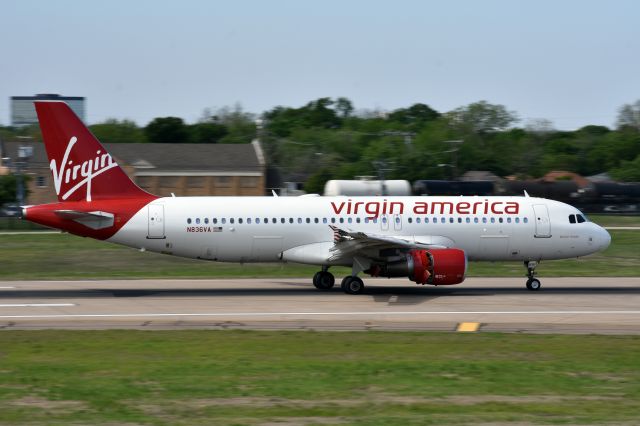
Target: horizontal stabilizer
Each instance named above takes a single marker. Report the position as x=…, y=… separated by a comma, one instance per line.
x=93, y=220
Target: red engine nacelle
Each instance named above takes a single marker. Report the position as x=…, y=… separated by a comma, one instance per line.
x=436, y=266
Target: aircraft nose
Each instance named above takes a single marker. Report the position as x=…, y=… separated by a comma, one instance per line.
x=604, y=238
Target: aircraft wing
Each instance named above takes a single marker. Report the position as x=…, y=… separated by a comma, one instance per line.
x=349, y=243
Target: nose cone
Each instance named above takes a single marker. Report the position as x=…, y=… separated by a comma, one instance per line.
x=603, y=239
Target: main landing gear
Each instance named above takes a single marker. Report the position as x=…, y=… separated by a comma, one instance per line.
x=533, y=284
x=352, y=284
x=324, y=280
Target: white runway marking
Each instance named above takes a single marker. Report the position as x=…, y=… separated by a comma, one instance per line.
x=271, y=314
x=5, y=287
x=35, y=305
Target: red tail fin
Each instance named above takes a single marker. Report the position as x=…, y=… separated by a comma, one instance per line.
x=82, y=169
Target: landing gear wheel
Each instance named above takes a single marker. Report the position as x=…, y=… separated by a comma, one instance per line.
x=323, y=280
x=352, y=285
x=533, y=284
x=345, y=281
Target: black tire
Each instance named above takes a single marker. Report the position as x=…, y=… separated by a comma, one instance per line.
x=354, y=286
x=316, y=279
x=533, y=284
x=344, y=283
x=325, y=281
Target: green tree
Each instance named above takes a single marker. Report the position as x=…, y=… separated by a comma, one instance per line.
x=7, y=189
x=481, y=117
x=629, y=116
x=167, y=130
x=114, y=131
x=629, y=171
x=207, y=132
x=415, y=117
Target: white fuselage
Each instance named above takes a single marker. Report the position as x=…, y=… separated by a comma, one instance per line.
x=260, y=229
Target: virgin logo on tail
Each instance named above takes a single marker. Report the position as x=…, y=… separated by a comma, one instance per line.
x=79, y=175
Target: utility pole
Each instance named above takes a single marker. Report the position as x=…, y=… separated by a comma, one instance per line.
x=455, y=147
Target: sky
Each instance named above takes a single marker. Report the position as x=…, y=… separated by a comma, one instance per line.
x=571, y=62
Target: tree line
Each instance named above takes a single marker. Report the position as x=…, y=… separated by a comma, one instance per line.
x=328, y=139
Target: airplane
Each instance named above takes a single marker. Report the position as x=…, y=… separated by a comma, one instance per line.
x=428, y=240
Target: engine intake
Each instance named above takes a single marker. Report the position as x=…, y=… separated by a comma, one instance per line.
x=436, y=267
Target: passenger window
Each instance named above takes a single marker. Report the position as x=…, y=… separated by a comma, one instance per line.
x=282, y=220
x=308, y=220
x=468, y=220
x=475, y=220
x=240, y=220
x=324, y=220
x=198, y=221
x=290, y=220
x=525, y=220
x=189, y=221
x=249, y=220
x=459, y=220
x=214, y=220
x=572, y=218
x=357, y=220
x=581, y=218
x=231, y=220
x=517, y=220
x=299, y=220
x=484, y=220
x=257, y=220
x=274, y=220
x=223, y=220
x=442, y=220
x=508, y=220
x=333, y=220
x=425, y=220
x=266, y=220
x=493, y=220
x=410, y=220
x=206, y=220
x=315, y=220
x=500, y=220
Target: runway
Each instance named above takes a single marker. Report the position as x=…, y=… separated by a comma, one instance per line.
x=564, y=305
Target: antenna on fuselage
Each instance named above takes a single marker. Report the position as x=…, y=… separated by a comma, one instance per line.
x=526, y=194
x=273, y=191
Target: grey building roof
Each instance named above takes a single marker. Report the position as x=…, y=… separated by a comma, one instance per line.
x=169, y=157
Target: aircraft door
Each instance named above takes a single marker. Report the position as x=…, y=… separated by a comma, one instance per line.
x=543, y=223
x=156, y=221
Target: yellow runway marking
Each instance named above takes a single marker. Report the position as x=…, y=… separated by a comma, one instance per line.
x=468, y=327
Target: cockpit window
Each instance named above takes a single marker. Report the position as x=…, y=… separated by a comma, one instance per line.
x=572, y=218
x=581, y=218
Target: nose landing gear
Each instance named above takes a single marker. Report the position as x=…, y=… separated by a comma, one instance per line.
x=533, y=284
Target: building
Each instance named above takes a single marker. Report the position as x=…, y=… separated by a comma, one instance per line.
x=164, y=169
x=23, y=112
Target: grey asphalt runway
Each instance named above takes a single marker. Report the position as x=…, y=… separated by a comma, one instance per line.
x=564, y=305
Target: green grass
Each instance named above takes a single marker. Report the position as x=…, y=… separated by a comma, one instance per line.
x=362, y=378
x=614, y=220
x=63, y=256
